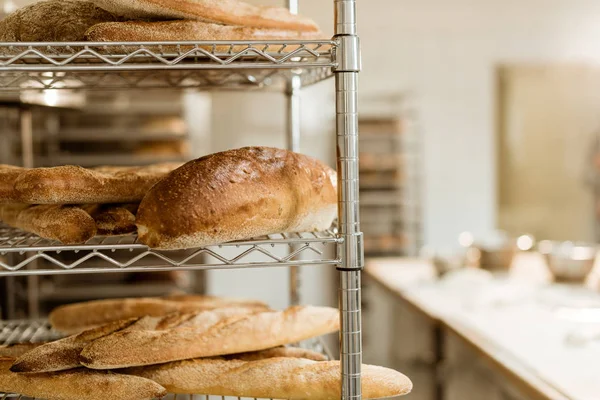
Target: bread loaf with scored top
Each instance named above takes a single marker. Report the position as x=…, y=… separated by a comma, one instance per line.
x=253, y=332
x=238, y=194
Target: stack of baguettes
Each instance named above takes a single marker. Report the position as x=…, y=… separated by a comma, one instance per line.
x=141, y=348
x=232, y=195
x=153, y=20
x=72, y=204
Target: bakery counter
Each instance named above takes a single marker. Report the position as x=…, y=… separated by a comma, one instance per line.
x=474, y=335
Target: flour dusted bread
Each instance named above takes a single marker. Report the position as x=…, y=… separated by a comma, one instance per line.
x=239, y=334
x=238, y=194
x=278, y=378
x=73, y=318
x=140, y=31
x=67, y=224
x=224, y=12
x=71, y=184
x=52, y=21
x=78, y=384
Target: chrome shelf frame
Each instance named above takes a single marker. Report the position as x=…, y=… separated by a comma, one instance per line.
x=19, y=250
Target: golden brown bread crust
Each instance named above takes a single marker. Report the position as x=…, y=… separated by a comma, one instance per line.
x=189, y=30
x=113, y=219
x=224, y=12
x=63, y=354
x=237, y=334
x=8, y=176
x=279, y=378
x=78, y=384
x=52, y=21
x=67, y=224
x=71, y=184
x=238, y=194
x=72, y=318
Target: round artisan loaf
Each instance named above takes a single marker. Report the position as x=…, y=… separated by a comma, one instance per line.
x=52, y=21
x=238, y=194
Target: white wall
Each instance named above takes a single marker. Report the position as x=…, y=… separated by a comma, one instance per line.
x=445, y=52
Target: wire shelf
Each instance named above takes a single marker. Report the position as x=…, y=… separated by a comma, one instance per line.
x=23, y=253
x=38, y=331
x=118, y=65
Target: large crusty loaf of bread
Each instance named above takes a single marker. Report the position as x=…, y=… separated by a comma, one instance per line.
x=8, y=176
x=67, y=224
x=52, y=21
x=238, y=194
x=278, y=378
x=71, y=184
x=79, y=384
x=77, y=317
x=157, y=31
x=224, y=12
x=240, y=334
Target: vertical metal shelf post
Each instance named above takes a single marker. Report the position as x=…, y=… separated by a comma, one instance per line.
x=292, y=94
x=350, y=251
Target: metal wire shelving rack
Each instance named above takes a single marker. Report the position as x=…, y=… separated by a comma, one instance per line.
x=241, y=65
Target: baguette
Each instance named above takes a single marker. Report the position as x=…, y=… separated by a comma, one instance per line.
x=72, y=318
x=79, y=384
x=238, y=334
x=191, y=30
x=113, y=219
x=52, y=21
x=238, y=194
x=67, y=224
x=224, y=12
x=276, y=378
x=71, y=184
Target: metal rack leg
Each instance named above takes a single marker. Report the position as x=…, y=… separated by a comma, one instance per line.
x=293, y=143
x=350, y=251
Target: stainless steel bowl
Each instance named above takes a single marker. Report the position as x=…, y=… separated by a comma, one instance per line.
x=568, y=262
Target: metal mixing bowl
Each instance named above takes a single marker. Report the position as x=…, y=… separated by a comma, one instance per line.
x=568, y=261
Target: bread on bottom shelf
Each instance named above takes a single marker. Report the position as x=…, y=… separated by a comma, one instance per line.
x=258, y=331
x=78, y=384
x=238, y=194
x=77, y=317
x=278, y=378
x=113, y=219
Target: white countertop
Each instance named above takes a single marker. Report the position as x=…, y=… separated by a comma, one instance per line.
x=521, y=324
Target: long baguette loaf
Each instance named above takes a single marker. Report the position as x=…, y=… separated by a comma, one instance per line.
x=52, y=21
x=224, y=12
x=77, y=317
x=79, y=384
x=71, y=184
x=8, y=176
x=240, y=334
x=278, y=378
x=238, y=194
x=68, y=224
x=190, y=30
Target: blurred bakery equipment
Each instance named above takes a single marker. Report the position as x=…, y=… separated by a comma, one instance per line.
x=496, y=252
x=390, y=177
x=569, y=262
